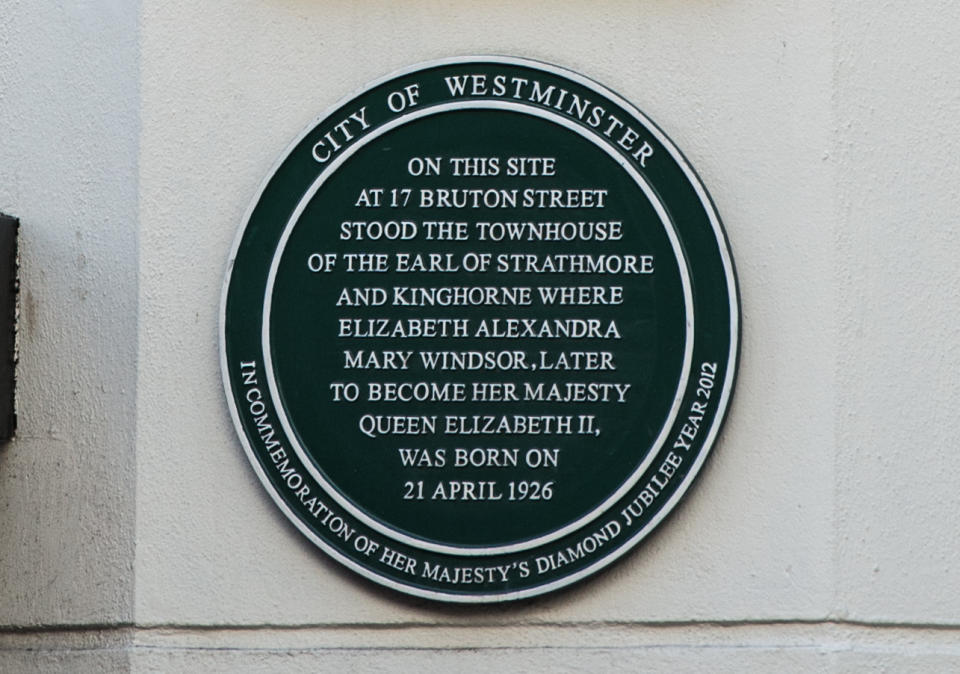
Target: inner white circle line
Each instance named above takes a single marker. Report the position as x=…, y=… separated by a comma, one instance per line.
x=268, y=360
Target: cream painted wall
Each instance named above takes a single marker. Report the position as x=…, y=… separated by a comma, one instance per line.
x=212, y=127
x=820, y=534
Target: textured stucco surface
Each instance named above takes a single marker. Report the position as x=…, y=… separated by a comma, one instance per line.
x=821, y=533
x=898, y=239
x=68, y=150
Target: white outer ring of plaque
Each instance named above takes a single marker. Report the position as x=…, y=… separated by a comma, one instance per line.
x=655, y=447
x=732, y=356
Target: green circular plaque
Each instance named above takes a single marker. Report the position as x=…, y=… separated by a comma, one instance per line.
x=479, y=329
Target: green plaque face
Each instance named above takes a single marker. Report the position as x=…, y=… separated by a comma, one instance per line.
x=479, y=329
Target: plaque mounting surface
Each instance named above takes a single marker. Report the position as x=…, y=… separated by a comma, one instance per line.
x=479, y=329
